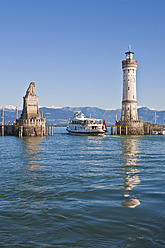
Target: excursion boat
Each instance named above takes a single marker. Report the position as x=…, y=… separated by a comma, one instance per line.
x=82, y=125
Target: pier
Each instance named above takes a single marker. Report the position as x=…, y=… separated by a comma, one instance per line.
x=148, y=129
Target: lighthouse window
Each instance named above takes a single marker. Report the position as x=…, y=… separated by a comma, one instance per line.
x=133, y=96
x=128, y=88
x=128, y=70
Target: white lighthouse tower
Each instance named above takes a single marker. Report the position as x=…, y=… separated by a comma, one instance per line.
x=129, y=123
x=129, y=101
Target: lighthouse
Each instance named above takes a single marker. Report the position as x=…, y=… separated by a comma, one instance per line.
x=129, y=123
x=129, y=100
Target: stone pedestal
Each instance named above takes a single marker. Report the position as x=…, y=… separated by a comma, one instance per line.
x=31, y=122
x=130, y=127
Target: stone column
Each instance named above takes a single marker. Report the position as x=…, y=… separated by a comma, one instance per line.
x=20, y=131
x=126, y=130
x=120, y=130
x=115, y=130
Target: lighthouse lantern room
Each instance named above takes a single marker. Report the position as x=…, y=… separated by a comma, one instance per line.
x=129, y=100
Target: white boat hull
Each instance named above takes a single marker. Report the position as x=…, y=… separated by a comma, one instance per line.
x=89, y=132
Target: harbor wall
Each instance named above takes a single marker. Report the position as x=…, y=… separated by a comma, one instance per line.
x=18, y=130
x=130, y=127
x=8, y=130
x=137, y=128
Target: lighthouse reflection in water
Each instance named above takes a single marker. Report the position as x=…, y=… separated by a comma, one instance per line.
x=131, y=173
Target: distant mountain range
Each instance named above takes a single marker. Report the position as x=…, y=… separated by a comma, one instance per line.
x=59, y=116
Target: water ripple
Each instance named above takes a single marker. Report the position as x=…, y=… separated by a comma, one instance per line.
x=70, y=191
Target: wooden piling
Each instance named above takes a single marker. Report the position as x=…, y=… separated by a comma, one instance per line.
x=120, y=130
x=111, y=130
x=41, y=130
x=51, y=130
x=48, y=130
x=3, y=133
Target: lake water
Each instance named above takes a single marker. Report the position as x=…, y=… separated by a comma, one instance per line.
x=82, y=191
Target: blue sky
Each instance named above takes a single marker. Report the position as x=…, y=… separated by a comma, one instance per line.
x=73, y=50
